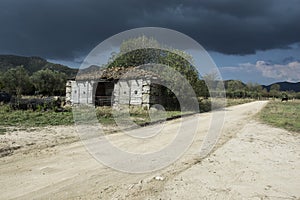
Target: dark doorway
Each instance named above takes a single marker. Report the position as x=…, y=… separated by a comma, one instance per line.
x=103, y=95
x=164, y=96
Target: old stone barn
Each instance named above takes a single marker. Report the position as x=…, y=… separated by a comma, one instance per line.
x=116, y=86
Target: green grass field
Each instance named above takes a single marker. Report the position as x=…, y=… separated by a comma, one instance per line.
x=282, y=114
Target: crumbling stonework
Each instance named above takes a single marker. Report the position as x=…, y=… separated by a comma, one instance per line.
x=114, y=86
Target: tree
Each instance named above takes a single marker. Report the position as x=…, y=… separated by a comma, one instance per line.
x=274, y=90
x=220, y=90
x=49, y=82
x=141, y=42
x=211, y=80
x=17, y=81
x=265, y=93
x=275, y=87
x=143, y=50
x=214, y=84
x=254, y=90
x=201, y=89
x=235, y=89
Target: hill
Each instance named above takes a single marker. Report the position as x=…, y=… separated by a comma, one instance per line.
x=237, y=82
x=285, y=86
x=33, y=64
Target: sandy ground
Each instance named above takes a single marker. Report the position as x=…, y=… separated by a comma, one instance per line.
x=260, y=163
x=250, y=161
x=26, y=140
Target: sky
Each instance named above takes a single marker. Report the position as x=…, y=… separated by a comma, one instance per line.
x=252, y=41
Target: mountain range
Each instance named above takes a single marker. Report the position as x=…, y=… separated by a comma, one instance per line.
x=285, y=86
x=33, y=64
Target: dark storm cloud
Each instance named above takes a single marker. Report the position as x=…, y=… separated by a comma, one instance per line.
x=66, y=29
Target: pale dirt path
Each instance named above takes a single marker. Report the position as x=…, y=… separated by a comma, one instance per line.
x=69, y=172
x=262, y=162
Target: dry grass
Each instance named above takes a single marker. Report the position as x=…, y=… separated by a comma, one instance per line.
x=282, y=114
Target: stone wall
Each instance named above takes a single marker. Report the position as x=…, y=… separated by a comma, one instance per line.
x=126, y=92
x=132, y=92
x=81, y=92
x=69, y=92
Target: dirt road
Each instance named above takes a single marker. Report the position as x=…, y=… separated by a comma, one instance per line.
x=250, y=161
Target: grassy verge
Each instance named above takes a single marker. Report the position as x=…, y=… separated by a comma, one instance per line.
x=28, y=118
x=234, y=102
x=282, y=114
x=138, y=115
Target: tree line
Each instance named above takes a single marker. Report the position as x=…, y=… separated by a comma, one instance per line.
x=17, y=81
x=238, y=89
